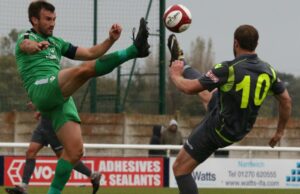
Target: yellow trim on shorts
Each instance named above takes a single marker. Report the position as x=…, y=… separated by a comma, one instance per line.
x=224, y=138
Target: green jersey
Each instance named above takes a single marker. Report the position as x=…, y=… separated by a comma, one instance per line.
x=33, y=67
x=39, y=73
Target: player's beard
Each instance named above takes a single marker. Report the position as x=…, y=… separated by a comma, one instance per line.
x=45, y=31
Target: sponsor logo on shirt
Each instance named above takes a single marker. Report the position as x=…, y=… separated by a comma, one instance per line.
x=44, y=81
x=212, y=76
x=41, y=81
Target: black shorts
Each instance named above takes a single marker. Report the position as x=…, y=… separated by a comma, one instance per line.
x=204, y=140
x=44, y=134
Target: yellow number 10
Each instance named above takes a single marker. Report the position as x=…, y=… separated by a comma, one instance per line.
x=244, y=85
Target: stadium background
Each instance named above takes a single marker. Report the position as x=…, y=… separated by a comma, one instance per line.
x=116, y=92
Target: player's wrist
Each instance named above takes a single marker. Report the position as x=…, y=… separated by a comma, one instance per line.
x=111, y=39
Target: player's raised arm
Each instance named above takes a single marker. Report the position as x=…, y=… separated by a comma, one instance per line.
x=285, y=108
x=99, y=49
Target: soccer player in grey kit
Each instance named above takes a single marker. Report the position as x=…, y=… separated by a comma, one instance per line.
x=239, y=88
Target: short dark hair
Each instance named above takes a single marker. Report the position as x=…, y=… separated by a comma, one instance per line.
x=247, y=36
x=35, y=8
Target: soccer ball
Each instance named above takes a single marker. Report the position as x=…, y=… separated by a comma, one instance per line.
x=177, y=18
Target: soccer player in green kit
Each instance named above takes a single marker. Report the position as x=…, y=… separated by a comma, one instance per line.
x=38, y=54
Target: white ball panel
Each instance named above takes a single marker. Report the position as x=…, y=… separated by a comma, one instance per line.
x=173, y=18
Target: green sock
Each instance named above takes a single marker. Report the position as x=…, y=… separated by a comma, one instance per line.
x=62, y=174
x=109, y=62
x=53, y=190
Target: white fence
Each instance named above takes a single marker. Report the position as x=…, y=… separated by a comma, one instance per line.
x=229, y=172
x=248, y=149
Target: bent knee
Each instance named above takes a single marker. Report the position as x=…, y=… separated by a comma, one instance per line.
x=31, y=153
x=184, y=164
x=75, y=154
x=177, y=167
x=87, y=69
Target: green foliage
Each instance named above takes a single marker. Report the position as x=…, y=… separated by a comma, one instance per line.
x=8, y=43
x=143, y=95
x=202, y=55
x=12, y=95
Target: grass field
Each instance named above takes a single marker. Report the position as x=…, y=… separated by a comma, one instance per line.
x=87, y=190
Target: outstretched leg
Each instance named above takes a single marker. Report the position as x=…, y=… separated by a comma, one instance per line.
x=188, y=72
x=73, y=78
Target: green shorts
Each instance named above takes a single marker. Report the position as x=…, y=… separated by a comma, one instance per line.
x=46, y=95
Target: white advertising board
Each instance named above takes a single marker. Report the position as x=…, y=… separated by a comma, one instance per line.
x=245, y=173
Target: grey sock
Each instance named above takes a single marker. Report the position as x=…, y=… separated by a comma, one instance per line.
x=186, y=184
x=80, y=167
x=28, y=170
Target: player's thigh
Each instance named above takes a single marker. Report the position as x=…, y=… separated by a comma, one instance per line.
x=202, y=142
x=70, y=137
x=53, y=140
x=38, y=137
x=71, y=79
x=62, y=114
x=33, y=149
x=50, y=135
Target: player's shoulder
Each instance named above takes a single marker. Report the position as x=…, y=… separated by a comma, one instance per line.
x=267, y=67
x=27, y=35
x=224, y=64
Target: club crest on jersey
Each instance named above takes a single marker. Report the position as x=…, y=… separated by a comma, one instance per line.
x=51, y=54
x=212, y=76
x=52, y=78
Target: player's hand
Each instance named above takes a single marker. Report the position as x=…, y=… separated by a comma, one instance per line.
x=276, y=138
x=32, y=47
x=30, y=106
x=43, y=45
x=38, y=46
x=37, y=115
x=115, y=32
x=176, y=68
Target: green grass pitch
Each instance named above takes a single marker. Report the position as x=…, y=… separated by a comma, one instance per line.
x=87, y=190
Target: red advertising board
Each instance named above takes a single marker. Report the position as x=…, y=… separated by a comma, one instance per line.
x=116, y=172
